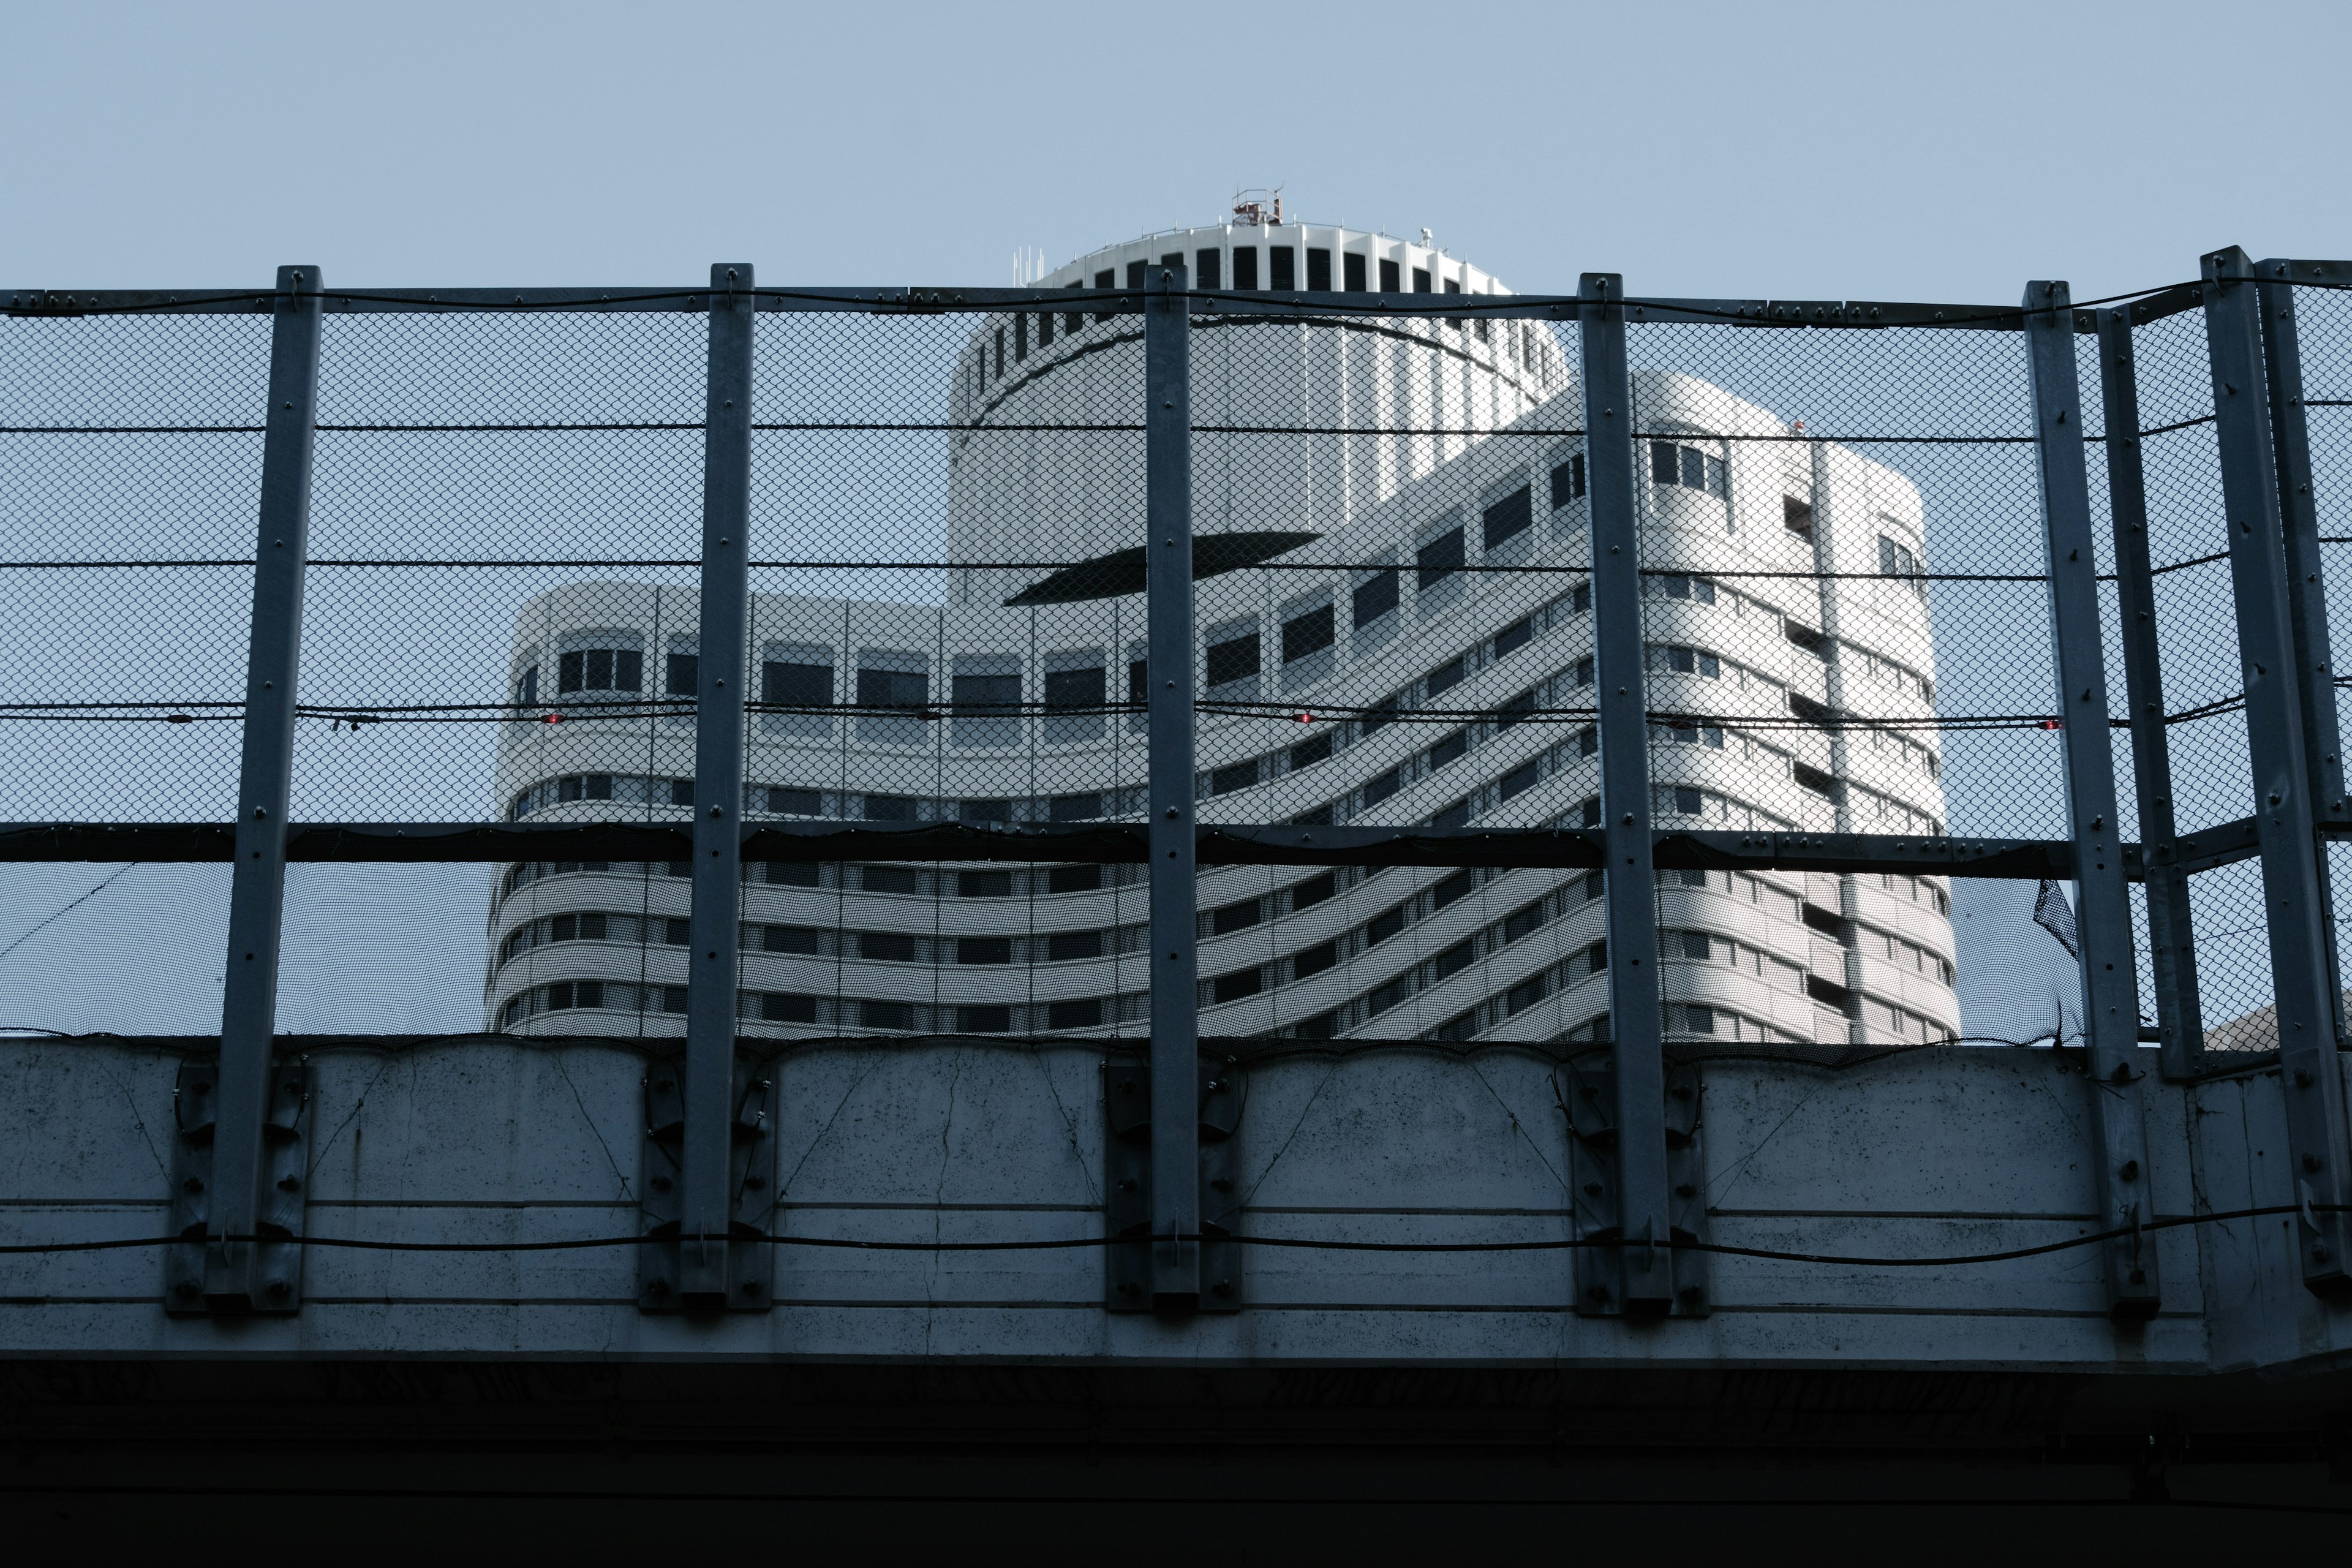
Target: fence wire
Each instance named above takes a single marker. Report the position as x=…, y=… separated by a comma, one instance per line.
x=1844, y=605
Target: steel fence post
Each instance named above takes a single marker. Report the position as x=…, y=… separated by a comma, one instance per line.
x=2294, y=900
x=1168, y=666
x=1636, y=1011
x=705, y=1205
x=2306, y=583
x=2110, y=969
x=2172, y=945
x=265, y=786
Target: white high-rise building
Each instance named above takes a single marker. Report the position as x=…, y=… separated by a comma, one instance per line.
x=1427, y=662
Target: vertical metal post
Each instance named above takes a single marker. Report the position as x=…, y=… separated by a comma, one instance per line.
x=705, y=1205
x=2102, y=902
x=265, y=786
x=2306, y=583
x=1168, y=664
x=2295, y=911
x=2172, y=946
x=1635, y=1016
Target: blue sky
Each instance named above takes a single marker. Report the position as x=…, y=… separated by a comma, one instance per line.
x=1820, y=151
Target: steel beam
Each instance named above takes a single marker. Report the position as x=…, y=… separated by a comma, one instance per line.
x=1175, y=1271
x=2103, y=901
x=705, y=1208
x=2306, y=583
x=2285, y=819
x=2172, y=947
x=1635, y=1016
x=233, y=1267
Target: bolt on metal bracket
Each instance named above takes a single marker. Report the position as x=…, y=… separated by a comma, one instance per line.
x=1127, y=1187
x=663, y=1257
x=1616, y=1267
x=266, y=1272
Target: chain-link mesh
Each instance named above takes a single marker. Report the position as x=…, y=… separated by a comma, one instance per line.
x=1845, y=622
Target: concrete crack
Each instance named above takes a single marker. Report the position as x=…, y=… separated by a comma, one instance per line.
x=1293, y=1138
x=556, y=1057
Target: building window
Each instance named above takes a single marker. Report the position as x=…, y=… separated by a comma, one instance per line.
x=1689, y=802
x=1524, y=995
x=1235, y=658
x=888, y=878
x=787, y=685
x=1000, y=353
x=1314, y=891
x=983, y=884
x=1351, y=272
x=1083, y=1013
x=527, y=688
x=1589, y=814
x=1105, y=279
x=1241, y=983
x=1307, y=753
x=1239, y=775
x=1378, y=789
x=1515, y=636
x=1449, y=750
x=1283, y=262
x=788, y=802
x=1315, y=960
x=1375, y=596
x=1454, y=286
x=601, y=669
x=1307, y=634
x=1319, y=271
x=794, y=874
x=1509, y=518
x=1244, y=267
x=1898, y=559
x=1067, y=946
x=1135, y=270
x=1568, y=480
x=1519, y=780
x=887, y=1014
x=1206, y=271
x=1391, y=281
x=984, y=1020
x=1236, y=917
x=1421, y=279
x=1020, y=336
x=1588, y=742
x=984, y=949
x=788, y=939
x=1074, y=701
x=1673, y=464
x=997, y=809
x=1045, y=329
x=1796, y=516
x=1074, y=322
x=887, y=946
x=1074, y=879
x=986, y=689
x=1439, y=559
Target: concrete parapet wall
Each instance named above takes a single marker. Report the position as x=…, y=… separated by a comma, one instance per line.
x=1926, y=1153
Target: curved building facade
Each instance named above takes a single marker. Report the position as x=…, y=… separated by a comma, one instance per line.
x=1423, y=454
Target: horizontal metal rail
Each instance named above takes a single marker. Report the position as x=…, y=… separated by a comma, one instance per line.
x=1562, y=848
x=1780, y=313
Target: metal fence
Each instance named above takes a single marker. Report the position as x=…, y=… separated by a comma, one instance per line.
x=1187, y=674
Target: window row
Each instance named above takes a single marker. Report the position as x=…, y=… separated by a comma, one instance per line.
x=845, y=1014
x=923, y=881
x=1267, y=766
x=848, y=1015
x=840, y=805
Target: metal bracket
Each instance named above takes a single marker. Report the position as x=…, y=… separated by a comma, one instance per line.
x=1127, y=1185
x=282, y=1203
x=1621, y=1269
x=663, y=1260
